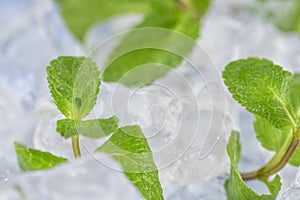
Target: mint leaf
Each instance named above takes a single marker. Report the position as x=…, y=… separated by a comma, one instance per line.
x=74, y=84
x=150, y=53
x=148, y=58
x=274, y=186
x=90, y=128
x=168, y=14
x=295, y=159
x=130, y=148
x=262, y=88
x=201, y=6
x=234, y=148
x=295, y=94
x=272, y=138
x=81, y=15
x=235, y=186
x=31, y=159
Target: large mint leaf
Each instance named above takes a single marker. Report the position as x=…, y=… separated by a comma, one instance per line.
x=145, y=55
x=90, y=128
x=31, y=159
x=235, y=186
x=180, y=16
x=74, y=84
x=150, y=53
x=262, y=88
x=272, y=138
x=81, y=15
x=129, y=147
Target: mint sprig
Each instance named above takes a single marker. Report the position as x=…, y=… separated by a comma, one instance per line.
x=74, y=84
x=271, y=93
x=235, y=186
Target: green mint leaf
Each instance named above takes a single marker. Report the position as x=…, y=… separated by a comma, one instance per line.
x=295, y=159
x=272, y=138
x=234, y=148
x=201, y=6
x=31, y=159
x=262, y=88
x=74, y=84
x=150, y=53
x=235, y=186
x=82, y=15
x=295, y=94
x=130, y=148
x=274, y=186
x=90, y=128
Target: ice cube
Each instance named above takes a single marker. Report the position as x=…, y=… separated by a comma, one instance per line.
x=81, y=179
x=33, y=35
x=208, y=190
x=45, y=136
x=293, y=191
x=8, y=169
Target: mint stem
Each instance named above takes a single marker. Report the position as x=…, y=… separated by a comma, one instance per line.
x=268, y=170
x=272, y=170
x=75, y=146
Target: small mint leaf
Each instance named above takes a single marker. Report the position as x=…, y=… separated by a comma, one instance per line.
x=90, y=128
x=74, y=84
x=274, y=186
x=272, y=138
x=130, y=148
x=235, y=186
x=31, y=159
x=262, y=88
